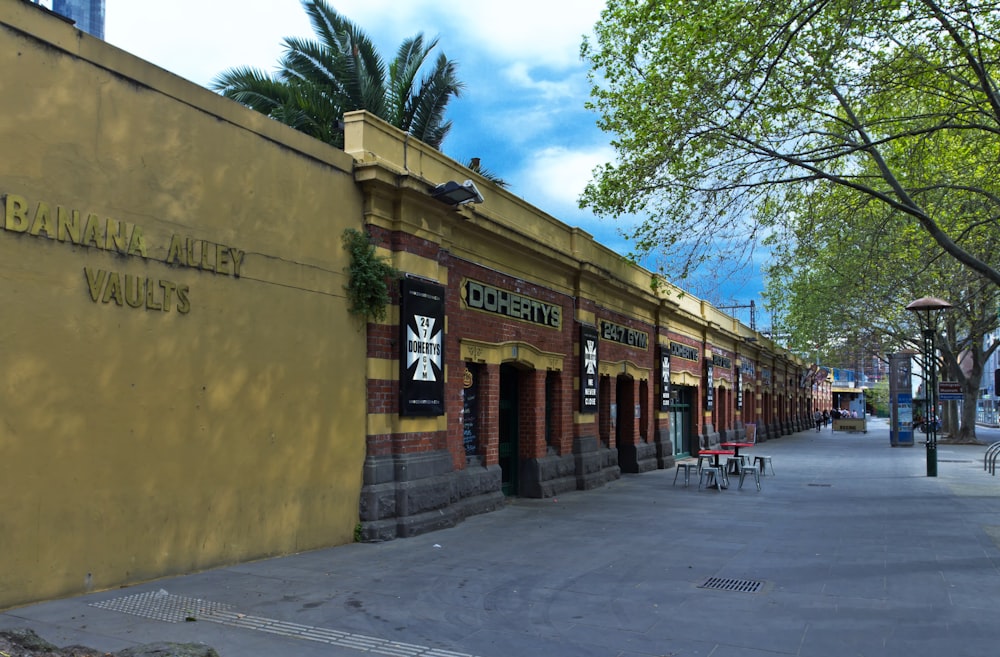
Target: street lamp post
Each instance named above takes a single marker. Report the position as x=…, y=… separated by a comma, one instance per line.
x=926, y=309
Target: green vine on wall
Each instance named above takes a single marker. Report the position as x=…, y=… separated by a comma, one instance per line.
x=369, y=277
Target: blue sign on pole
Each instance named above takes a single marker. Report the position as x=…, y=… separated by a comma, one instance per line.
x=904, y=419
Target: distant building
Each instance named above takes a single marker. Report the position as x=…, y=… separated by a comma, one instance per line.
x=988, y=403
x=87, y=14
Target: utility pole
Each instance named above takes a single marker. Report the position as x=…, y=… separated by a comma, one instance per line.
x=753, y=312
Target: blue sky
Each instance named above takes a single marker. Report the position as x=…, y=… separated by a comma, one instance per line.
x=522, y=111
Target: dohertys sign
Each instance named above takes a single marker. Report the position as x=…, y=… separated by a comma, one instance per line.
x=480, y=296
x=75, y=228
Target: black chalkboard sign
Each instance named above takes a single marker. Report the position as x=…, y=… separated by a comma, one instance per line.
x=470, y=410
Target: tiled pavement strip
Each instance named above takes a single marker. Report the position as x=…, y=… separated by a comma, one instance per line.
x=848, y=550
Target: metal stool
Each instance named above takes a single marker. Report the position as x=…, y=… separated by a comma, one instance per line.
x=714, y=476
x=764, y=462
x=706, y=459
x=687, y=468
x=750, y=470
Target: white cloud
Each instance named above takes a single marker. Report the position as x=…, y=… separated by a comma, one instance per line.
x=198, y=40
x=570, y=86
x=546, y=34
x=557, y=175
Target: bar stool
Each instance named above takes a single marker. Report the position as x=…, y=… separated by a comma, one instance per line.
x=750, y=470
x=764, y=461
x=714, y=475
x=687, y=468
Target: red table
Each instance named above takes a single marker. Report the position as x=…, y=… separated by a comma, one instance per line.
x=716, y=453
x=736, y=446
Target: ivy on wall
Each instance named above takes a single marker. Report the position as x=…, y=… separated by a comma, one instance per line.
x=369, y=277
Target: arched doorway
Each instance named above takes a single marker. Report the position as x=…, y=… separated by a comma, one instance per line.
x=625, y=420
x=509, y=427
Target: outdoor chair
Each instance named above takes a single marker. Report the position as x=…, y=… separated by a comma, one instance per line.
x=750, y=470
x=712, y=475
x=687, y=468
x=764, y=461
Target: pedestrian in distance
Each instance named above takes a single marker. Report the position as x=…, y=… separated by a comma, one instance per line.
x=818, y=419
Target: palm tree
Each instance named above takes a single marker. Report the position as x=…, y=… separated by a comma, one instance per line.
x=341, y=71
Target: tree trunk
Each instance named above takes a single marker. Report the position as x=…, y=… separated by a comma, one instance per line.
x=967, y=407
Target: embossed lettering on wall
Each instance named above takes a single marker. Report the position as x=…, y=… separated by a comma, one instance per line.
x=683, y=351
x=486, y=298
x=75, y=228
x=624, y=335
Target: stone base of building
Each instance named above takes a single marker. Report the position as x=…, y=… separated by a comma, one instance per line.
x=412, y=494
x=665, y=459
x=596, y=464
x=548, y=476
x=637, y=458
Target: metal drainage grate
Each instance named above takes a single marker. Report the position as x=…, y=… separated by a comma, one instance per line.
x=738, y=585
x=163, y=606
x=954, y=461
x=175, y=609
x=820, y=485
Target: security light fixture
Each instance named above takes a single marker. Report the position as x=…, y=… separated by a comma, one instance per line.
x=453, y=193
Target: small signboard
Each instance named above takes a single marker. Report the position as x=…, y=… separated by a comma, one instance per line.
x=950, y=391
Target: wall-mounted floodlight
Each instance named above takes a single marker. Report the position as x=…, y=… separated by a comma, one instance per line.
x=453, y=193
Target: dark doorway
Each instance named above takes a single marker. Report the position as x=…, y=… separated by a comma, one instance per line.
x=509, y=428
x=680, y=420
x=625, y=419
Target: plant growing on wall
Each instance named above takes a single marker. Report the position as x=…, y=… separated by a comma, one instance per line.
x=369, y=277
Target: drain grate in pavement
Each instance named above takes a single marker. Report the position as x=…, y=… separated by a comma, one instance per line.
x=738, y=585
x=954, y=461
x=162, y=606
x=820, y=485
x=174, y=609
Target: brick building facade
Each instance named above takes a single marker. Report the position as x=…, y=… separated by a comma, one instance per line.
x=553, y=354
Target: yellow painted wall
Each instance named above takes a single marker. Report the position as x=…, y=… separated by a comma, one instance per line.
x=174, y=436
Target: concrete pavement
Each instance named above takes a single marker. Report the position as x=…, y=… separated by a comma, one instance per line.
x=848, y=550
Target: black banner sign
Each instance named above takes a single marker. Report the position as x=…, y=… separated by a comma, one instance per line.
x=421, y=356
x=683, y=351
x=739, y=388
x=588, y=369
x=624, y=335
x=664, y=378
x=710, y=388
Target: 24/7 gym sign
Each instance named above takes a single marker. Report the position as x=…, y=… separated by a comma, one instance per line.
x=421, y=377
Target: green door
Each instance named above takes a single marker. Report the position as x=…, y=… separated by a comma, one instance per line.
x=508, y=429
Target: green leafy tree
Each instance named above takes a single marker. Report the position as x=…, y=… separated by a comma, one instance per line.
x=845, y=267
x=317, y=81
x=722, y=109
